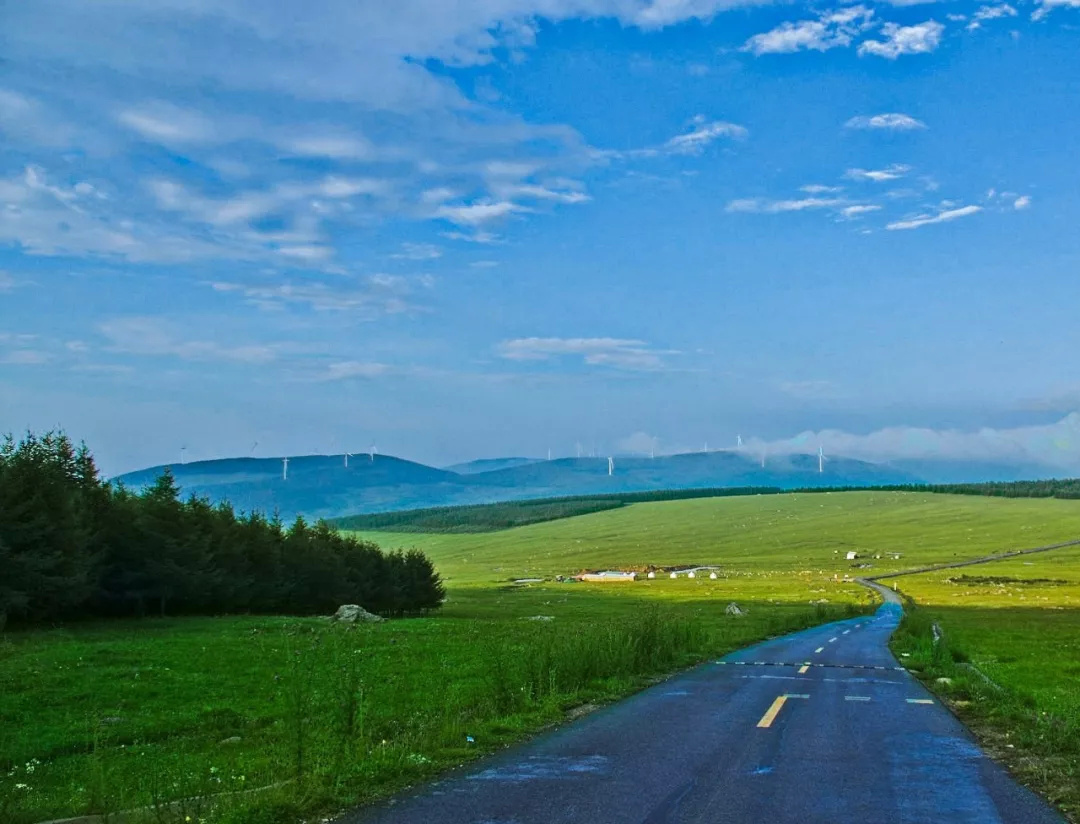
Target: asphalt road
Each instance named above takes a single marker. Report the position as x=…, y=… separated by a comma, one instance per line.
x=819, y=726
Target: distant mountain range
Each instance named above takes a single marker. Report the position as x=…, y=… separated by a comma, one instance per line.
x=322, y=486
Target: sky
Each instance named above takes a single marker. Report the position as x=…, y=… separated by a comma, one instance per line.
x=499, y=227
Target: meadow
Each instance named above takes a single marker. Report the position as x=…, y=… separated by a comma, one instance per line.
x=131, y=714
x=1011, y=656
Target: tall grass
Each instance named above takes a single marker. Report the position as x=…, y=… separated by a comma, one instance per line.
x=1041, y=744
x=353, y=714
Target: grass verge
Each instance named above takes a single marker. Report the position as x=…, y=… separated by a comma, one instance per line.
x=1008, y=665
x=145, y=714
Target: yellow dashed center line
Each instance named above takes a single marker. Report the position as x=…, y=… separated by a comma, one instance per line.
x=774, y=710
x=803, y=668
x=833, y=640
x=919, y=701
x=820, y=649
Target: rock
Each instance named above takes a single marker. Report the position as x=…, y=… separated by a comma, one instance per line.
x=734, y=609
x=355, y=614
x=228, y=742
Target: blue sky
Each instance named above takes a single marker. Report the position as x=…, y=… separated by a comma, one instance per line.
x=503, y=226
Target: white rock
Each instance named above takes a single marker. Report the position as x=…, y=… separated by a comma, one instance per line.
x=355, y=614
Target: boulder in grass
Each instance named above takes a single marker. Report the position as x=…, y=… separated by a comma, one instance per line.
x=734, y=609
x=355, y=614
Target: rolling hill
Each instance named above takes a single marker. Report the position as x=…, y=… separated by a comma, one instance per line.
x=321, y=486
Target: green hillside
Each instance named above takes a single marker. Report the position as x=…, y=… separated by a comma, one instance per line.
x=769, y=535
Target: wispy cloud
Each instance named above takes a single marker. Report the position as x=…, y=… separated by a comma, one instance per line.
x=1047, y=6
x=1054, y=445
x=369, y=298
x=702, y=132
x=418, y=251
x=165, y=123
x=834, y=29
x=927, y=220
x=479, y=212
x=633, y=355
x=1022, y=202
x=859, y=210
x=893, y=121
x=893, y=172
x=772, y=207
x=149, y=336
x=922, y=38
x=986, y=13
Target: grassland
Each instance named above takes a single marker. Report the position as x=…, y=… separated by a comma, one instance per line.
x=758, y=538
x=1011, y=654
x=121, y=715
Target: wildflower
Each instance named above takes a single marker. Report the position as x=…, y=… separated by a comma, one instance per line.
x=22, y=787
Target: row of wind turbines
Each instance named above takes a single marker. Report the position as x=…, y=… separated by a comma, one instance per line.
x=373, y=451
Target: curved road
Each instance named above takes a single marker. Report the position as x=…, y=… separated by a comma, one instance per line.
x=819, y=726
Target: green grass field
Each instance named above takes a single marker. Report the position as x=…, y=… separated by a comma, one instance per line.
x=121, y=715
x=758, y=538
x=1017, y=622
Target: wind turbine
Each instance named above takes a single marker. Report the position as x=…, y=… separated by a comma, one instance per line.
x=763, y=457
x=820, y=459
x=252, y=452
x=610, y=467
x=346, y=460
x=738, y=441
x=549, y=454
x=578, y=448
x=372, y=453
x=183, y=454
x=284, y=469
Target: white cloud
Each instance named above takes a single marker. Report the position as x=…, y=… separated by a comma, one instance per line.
x=859, y=209
x=1055, y=445
x=478, y=236
x=941, y=217
x=640, y=443
x=893, y=172
x=894, y=121
x=368, y=298
x=479, y=212
x=819, y=189
x=772, y=207
x=985, y=13
x=831, y=30
x=1022, y=202
x=165, y=123
x=1047, y=6
x=155, y=337
x=702, y=134
x=7, y=282
x=922, y=38
x=418, y=251
x=331, y=146
x=634, y=355
x=45, y=218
